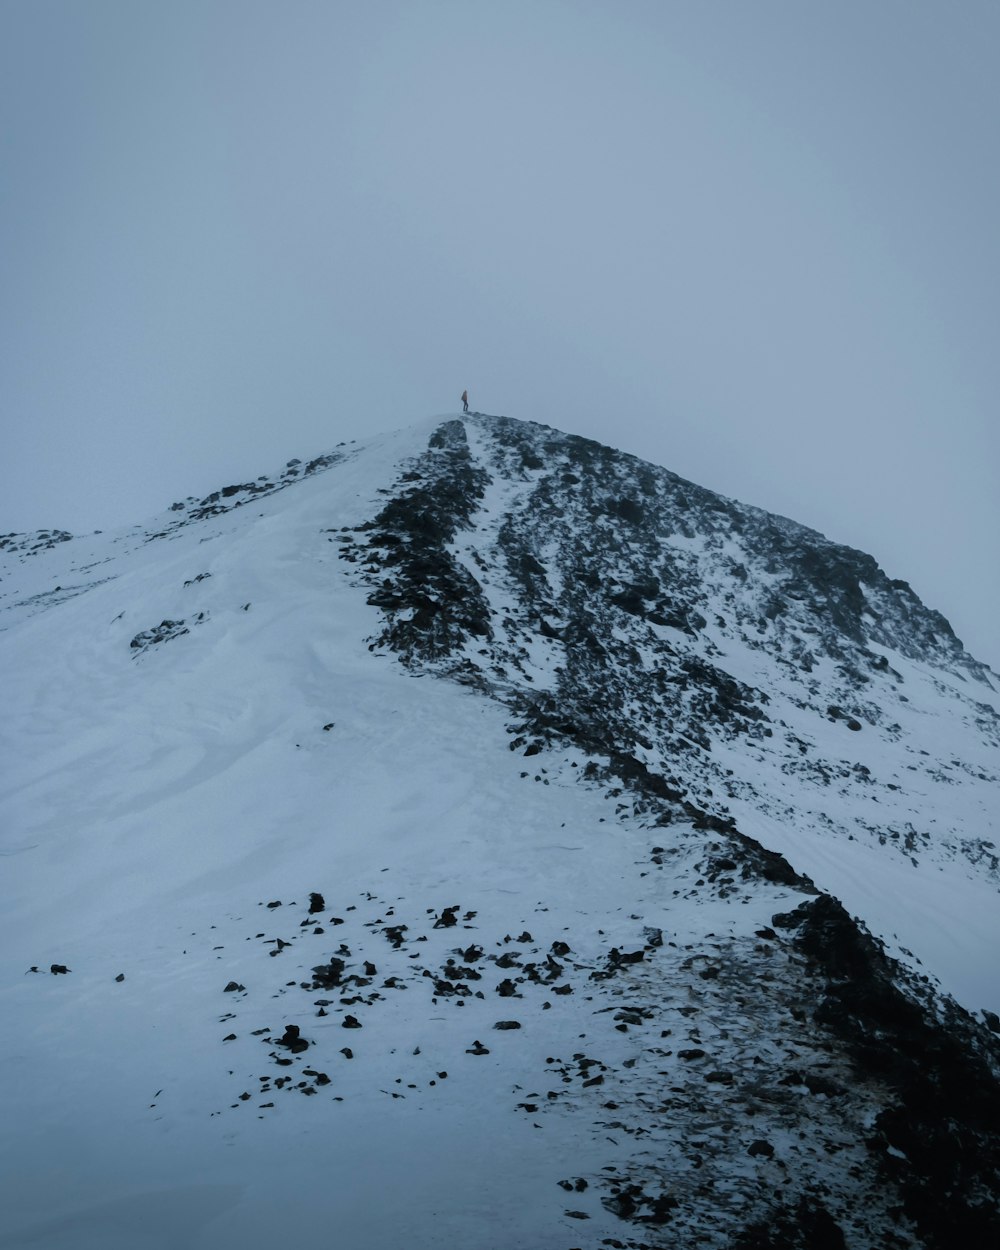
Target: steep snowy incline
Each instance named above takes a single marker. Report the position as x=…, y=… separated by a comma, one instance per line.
x=301, y=942
x=760, y=671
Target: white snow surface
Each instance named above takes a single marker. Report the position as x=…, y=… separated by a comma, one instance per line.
x=153, y=802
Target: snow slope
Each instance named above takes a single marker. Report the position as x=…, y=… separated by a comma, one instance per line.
x=206, y=727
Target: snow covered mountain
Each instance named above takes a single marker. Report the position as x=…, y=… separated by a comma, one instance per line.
x=648, y=839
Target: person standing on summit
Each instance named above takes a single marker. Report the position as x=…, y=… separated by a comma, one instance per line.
x=465, y=401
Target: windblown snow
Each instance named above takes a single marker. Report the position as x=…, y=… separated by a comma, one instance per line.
x=457, y=839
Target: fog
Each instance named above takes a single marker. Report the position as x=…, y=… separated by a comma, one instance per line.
x=754, y=243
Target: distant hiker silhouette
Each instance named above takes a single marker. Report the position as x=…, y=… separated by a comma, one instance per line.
x=465, y=401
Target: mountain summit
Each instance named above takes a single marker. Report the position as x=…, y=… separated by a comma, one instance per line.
x=480, y=836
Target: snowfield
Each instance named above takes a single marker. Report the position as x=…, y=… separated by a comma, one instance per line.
x=230, y=812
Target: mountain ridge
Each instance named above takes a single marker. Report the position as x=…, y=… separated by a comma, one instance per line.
x=546, y=771
x=236, y=495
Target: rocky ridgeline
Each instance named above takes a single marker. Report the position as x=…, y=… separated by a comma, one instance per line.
x=30, y=544
x=596, y=596
x=591, y=593
x=236, y=495
x=595, y=543
x=432, y=604
x=609, y=565
x=192, y=509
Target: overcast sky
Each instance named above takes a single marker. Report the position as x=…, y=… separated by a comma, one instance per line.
x=754, y=242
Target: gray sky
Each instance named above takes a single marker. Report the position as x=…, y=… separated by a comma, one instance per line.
x=754, y=242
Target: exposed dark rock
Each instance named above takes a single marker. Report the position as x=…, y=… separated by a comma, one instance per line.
x=808, y=1226
x=432, y=602
x=946, y=1117
x=328, y=976
x=159, y=633
x=292, y=1041
x=630, y=1202
x=618, y=957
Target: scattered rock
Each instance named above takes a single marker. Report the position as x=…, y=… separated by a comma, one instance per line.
x=328, y=976
x=291, y=1039
x=160, y=633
